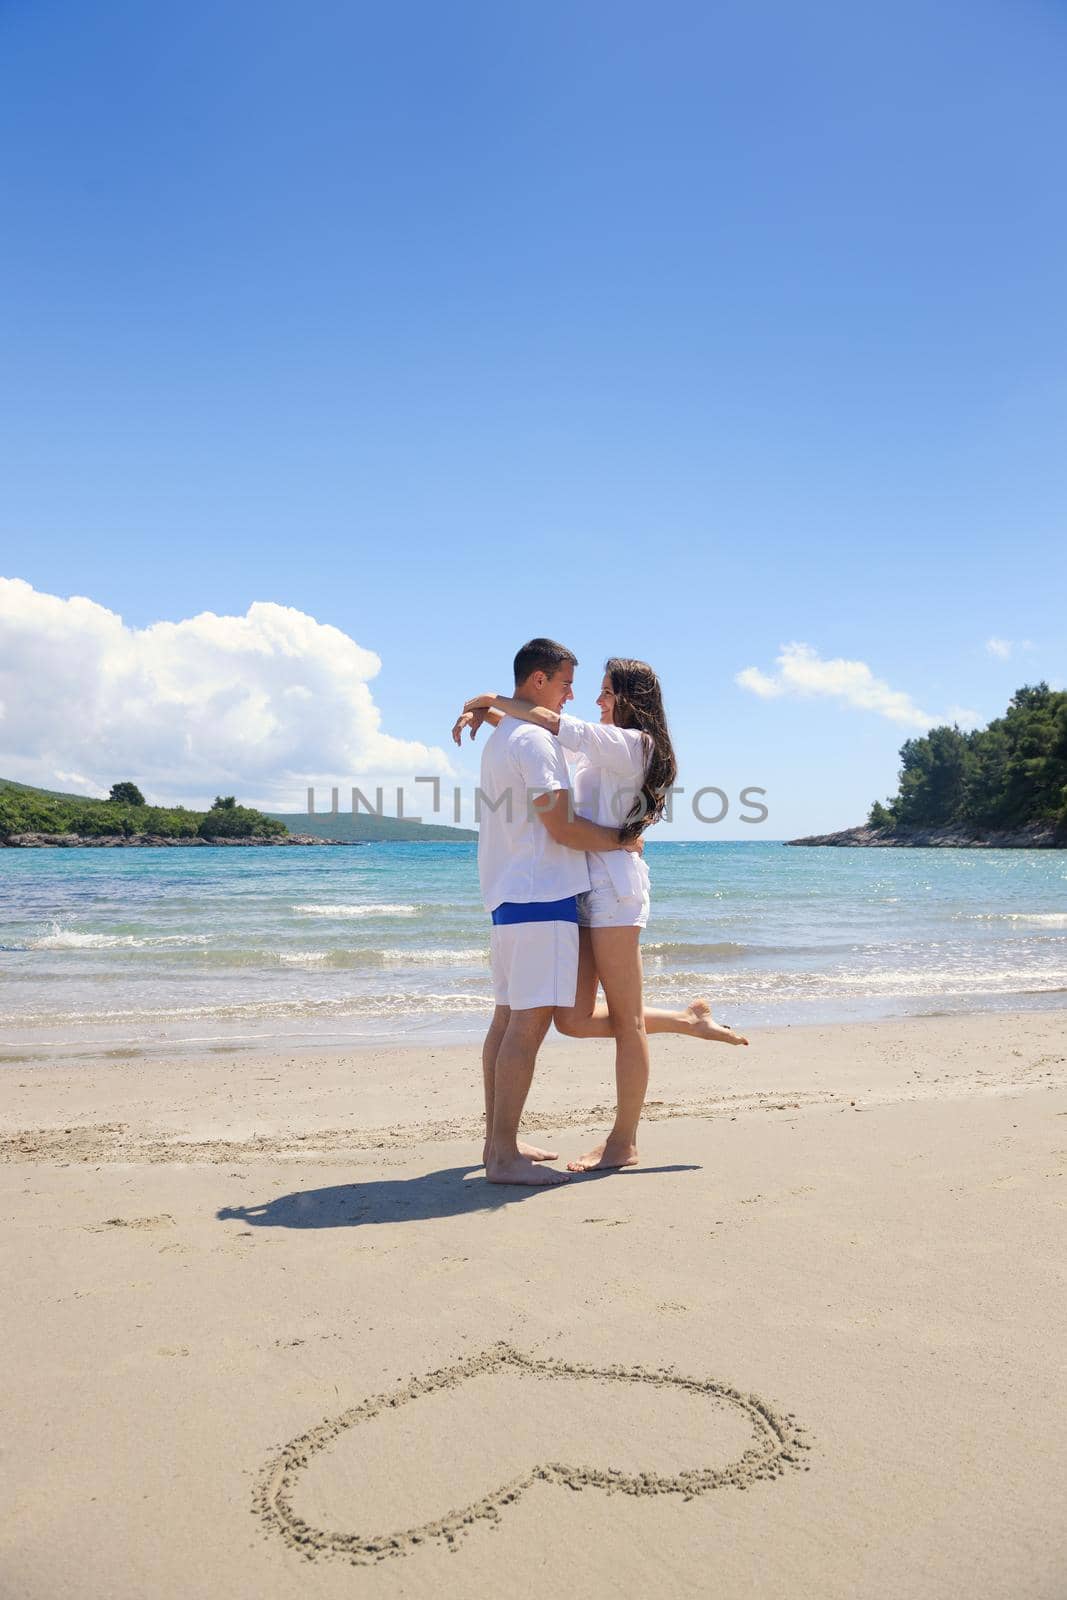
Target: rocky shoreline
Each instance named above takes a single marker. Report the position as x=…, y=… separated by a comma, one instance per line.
x=155, y=841
x=1032, y=836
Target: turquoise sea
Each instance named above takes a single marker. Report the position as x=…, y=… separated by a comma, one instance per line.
x=215, y=948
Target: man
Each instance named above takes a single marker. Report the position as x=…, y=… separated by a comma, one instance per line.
x=532, y=866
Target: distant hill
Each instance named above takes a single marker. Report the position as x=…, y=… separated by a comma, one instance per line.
x=12, y=787
x=364, y=829
x=25, y=809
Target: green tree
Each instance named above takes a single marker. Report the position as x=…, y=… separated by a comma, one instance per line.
x=1037, y=768
x=933, y=778
x=1057, y=757
x=228, y=820
x=984, y=800
x=1005, y=775
x=127, y=793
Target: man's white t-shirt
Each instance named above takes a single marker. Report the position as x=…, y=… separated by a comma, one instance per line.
x=608, y=768
x=518, y=859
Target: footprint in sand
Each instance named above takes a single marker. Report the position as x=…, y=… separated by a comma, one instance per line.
x=164, y=1220
x=488, y=1428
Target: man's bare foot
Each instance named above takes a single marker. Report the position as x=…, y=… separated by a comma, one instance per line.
x=520, y=1169
x=611, y=1153
x=705, y=1026
x=532, y=1152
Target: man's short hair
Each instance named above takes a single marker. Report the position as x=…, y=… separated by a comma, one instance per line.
x=542, y=655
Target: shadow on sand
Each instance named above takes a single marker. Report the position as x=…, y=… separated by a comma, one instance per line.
x=446, y=1193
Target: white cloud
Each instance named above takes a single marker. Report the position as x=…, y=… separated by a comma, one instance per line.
x=259, y=705
x=767, y=688
x=1004, y=649
x=803, y=674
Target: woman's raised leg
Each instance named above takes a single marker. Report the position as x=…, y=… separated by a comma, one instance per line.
x=588, y=1020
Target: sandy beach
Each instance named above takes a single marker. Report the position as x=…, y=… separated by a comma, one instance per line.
x=270, y=1333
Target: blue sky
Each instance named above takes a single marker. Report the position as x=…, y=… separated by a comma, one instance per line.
x=687, y=334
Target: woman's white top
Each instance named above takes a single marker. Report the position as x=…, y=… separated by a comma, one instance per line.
x=608, y=766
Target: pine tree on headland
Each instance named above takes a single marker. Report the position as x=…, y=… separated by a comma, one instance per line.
x=126, y=794
x=1006, y=775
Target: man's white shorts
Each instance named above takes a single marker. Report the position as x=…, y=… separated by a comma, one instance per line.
x=534, y=964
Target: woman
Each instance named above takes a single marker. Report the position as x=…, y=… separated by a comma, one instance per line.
x=623, y=772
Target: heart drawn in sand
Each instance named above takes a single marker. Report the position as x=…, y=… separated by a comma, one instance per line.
x=774, y=1446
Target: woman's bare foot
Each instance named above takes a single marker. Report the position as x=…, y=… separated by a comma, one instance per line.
x=612, y=1153
x=705, y=1026
x=520, y=1169
x=532, y=1152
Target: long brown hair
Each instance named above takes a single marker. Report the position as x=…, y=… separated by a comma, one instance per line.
x=639, y=704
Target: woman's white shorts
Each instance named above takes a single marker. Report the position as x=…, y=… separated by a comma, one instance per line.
x=602, y=907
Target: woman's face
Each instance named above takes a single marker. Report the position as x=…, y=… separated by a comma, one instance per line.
x=606, y=700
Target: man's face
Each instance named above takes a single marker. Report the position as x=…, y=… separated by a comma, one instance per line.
x=560, y=687
x=552, y=693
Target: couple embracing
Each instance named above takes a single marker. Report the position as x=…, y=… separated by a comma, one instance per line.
x=560, y=860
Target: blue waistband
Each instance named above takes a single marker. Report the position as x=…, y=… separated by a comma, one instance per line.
x=565, y=910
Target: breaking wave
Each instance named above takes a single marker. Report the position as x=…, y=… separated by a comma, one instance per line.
x=75, y=939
